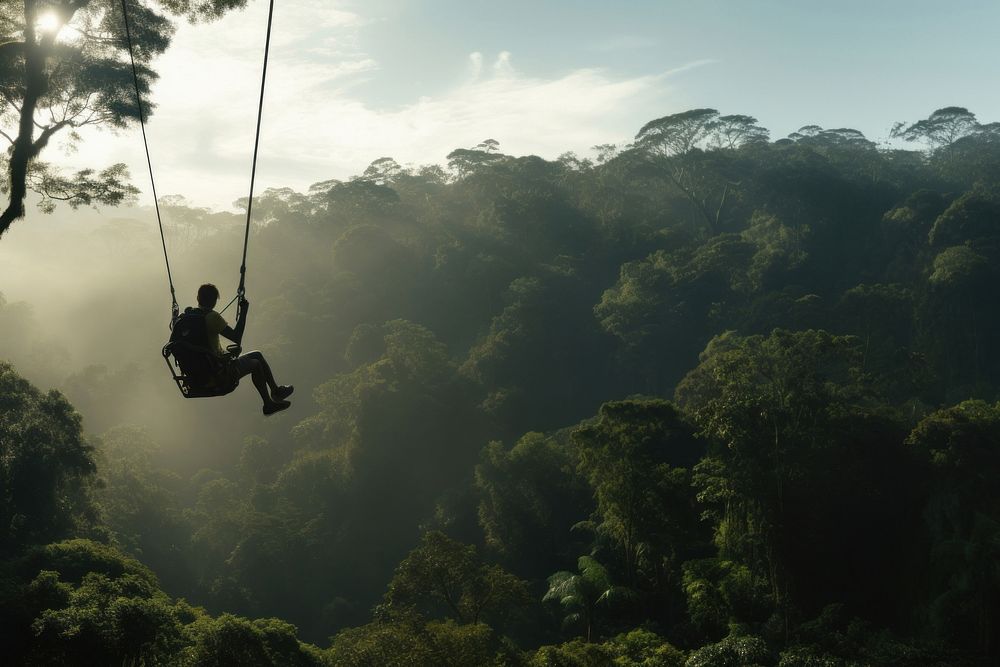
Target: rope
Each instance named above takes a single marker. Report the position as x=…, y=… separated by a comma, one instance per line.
x=241, y=290
x=256, y=145
x=174, y=308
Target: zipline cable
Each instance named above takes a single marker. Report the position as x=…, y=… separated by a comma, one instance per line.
x=174, y=308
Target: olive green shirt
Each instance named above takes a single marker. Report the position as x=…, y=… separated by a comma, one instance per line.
x=214, y=324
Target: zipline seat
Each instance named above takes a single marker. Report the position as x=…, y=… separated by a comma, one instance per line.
x=200, y=373
x=198, y=370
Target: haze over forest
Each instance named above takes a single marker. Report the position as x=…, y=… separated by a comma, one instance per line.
x=707, y=397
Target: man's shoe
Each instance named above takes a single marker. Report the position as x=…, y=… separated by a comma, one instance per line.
x=282, y=392
x=276, y=406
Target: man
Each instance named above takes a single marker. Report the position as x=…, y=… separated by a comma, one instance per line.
x=251, y=363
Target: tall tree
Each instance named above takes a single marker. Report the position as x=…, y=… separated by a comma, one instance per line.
x=636, y=457
x=445, y=576
x=64, y=66
x=673, y=144
x=799, y=441
x=961, y=446
x=582, y=593
x=46, y=466
x=941, y=129
x=736, y=130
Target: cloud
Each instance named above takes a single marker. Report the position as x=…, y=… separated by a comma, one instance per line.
x=318, y=126
x=690, y=66
x=502, y=66
x=475, y=64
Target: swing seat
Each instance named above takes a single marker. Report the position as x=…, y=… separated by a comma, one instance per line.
x=198, y=372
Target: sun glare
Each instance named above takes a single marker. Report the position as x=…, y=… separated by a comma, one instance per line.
x=48, y=22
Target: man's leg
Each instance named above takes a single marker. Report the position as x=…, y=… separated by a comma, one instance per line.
x=252, y=367
x=263, y=368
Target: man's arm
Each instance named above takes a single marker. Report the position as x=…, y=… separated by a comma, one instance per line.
x=236, y=335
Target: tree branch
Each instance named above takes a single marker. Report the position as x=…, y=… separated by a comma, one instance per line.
x=43, y=138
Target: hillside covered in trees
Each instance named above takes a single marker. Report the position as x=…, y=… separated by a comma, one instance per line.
x=706, y=399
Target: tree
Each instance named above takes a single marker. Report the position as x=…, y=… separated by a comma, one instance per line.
x=79, y=598
x=846, y=148
x=939, y=130
x=530, y=497
x=54, y=84
x=677, y=134
x=961, y=446
x=675, y=298
x=232, y=640
x=803, y=450
x=489, y=146
x=46, y=465
x=642, y=648
x=433, y=644
x=971, y=218
x=465, y=162
x=780, y=250
x=733, y=651
x=636, y=456
x=140, y=505
x=737, y=130
x=383, y=171
x=581, y=593
x=673, y=143
x=958, y=328
x=442, y=575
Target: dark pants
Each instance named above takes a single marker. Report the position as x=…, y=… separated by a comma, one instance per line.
x=254, y=364
x=246, y=363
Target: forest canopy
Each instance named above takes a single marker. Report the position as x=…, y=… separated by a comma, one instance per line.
x=707, y=398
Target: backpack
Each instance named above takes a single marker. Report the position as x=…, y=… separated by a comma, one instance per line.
x=190, y=349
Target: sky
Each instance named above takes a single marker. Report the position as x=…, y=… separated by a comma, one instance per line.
x=351, y=81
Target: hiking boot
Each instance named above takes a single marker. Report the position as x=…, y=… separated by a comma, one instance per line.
x=282, y=392
x=276, y=406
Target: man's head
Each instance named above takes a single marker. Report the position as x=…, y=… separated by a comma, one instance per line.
x=208, y=296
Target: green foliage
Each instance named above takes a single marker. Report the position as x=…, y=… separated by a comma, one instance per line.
x=941, y=129
x=721, y=592
x=969, y=219
x=79, y=602
x=667, y=295
x=230, y=640
x=444, y=643
x=583, y=594
x=445, y=577
x=838, y=293
x=530, y=497
x=642, y=648
x=635, y=456
x=379, y=643
x=572, y=654
x=787, y=414
x=59, y=87
x=111, y=621
x=779, y=250
x=962, y=445
x=733, y=651
x=46, y=465
x=139, y=500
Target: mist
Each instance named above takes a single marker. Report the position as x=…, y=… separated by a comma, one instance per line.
x=711, y=394
x=87, y=311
